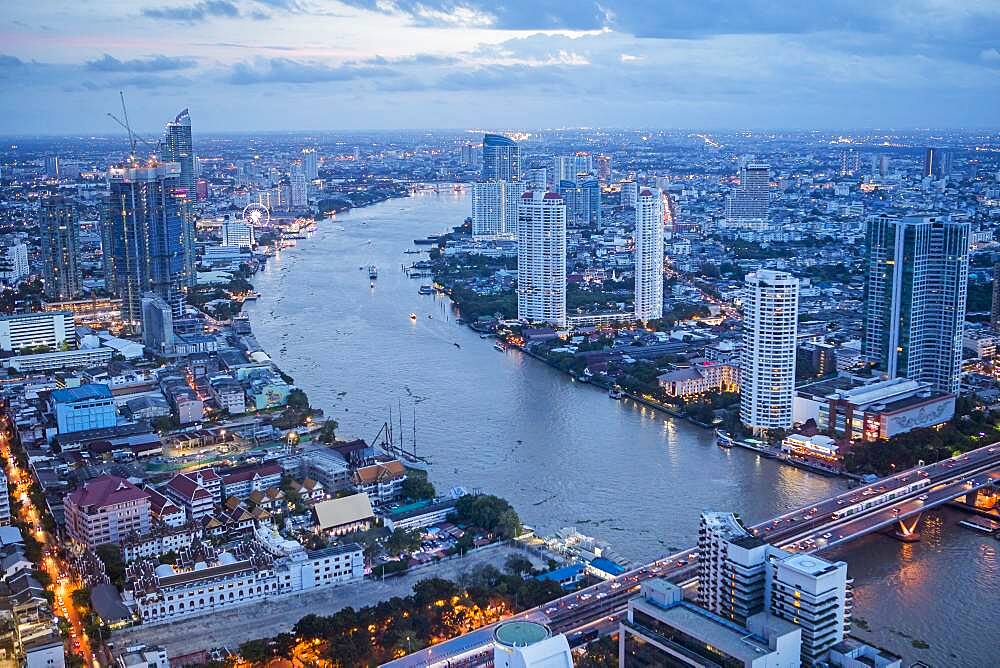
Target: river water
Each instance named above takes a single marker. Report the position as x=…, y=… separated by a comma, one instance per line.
x=562, y=453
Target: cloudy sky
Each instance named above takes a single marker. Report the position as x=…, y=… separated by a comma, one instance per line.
x=358, y=64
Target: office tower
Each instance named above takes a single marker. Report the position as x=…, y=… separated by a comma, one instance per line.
x=501, y=157
x=916, y=279
x=177, y=148
x=937, y=163
x=298, y=193
x=995, y=310
x=310, y=163
x=661, y=629
x=60, y=246
x=4, y=500
x=525, y=644
x=883, y=166
x=649, y=256
x=583, y=202
x=157, y=324
x=52, y=167
x=767, y=367
x=541, y=258
x=747, y=206
x=740, y=576
x=14, y=263
x=494, y=209
x=629, y=194
x=572, y=167
x=814, y=594
x=537, y=178
x=603, y=168
x=237, y=234
x=144, y=230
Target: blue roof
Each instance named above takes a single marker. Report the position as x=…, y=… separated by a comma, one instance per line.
x=608, y=566
x=560, y=574
x=81, y=393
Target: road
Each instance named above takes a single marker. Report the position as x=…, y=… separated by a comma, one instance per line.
x=63, y=584
x=827, y=523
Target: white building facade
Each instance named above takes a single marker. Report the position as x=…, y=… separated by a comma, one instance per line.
x=541, y=258
x=767, y=368
x=649, y=256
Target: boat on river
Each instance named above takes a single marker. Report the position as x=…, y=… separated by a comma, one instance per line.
x=616, y=392
x=372, y=272
x=413, y=317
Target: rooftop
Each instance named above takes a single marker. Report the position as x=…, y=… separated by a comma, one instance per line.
x=81, y=393
x=520, y=634
x=106, y=490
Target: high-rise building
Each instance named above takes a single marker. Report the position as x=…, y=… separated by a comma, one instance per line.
x=106, y=509
x=741, y=576
x=541, y=258
x=52, y=166
x=14, y=262
x=937, y=163
x=572, y=167
x=747, y=206
x=60, y=246
x=157, y=324
x=310, y=163
x=767, y=367
x=525, y=644
x=603, y=168
x=144, y=232
x=4, y=500
x=583, y=202
x=916, y=281
x=52, y=329
x=298, y=194
x=237, y=234
x=649, y=256
x=537, y=178
x=177, y=148
x=995, y=310
x=494, y=209
x=629, y=194
x=501, y=159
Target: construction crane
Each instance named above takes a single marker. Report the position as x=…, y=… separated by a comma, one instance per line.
x=132, y=136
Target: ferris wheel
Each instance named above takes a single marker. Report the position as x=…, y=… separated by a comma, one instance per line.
x=256, y=215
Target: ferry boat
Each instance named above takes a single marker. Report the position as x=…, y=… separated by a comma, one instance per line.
x=426, y=290
x=723, y=439
x=499, y=345
x=372, y=272
x=616, y=392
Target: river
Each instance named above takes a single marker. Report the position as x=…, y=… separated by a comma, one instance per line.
x=562, y=453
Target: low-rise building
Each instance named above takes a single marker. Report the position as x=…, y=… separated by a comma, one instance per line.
x=106, y=509
x=241, y=481
x=703, y=375
x=419, y=515
x=381, y=481
x=158, y=542
x=143, y=656
x=344, y=515
x=90, y=406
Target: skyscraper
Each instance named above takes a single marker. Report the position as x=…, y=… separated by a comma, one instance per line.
x=916, y=280
x=501, y=158
x=310, y=163
x=629, y=194
x=541, y=258
x=52, y=166
x=583, y=202
x=177, y=148
x=537, y=178
x=649, y=256
x=572, y=167
x=767, y=368
x=494, y=209
x=144, y=236
x=298, y=194
x=937, y=163
x=60, y=247
x=157, y=324
x=747, y=206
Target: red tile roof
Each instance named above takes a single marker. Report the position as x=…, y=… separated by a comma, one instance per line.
x=106, y=490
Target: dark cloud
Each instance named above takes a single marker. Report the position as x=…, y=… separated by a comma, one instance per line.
x=108, y=63
x=199, y=11
x=286, y=70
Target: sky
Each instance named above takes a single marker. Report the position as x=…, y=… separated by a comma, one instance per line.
x=273, y=65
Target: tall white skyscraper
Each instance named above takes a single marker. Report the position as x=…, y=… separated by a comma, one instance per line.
x=649, y=256
x=494, y=209
x=916, y=282
x=747, y=206
x=767, y=368
x=310, y=163
x=541, y=258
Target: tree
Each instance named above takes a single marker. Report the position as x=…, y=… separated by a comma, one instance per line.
x=255, y=651
x=402, y=541
x=298, y=400
x=417, y=488
x=111, y=555
x=328, y=432
x=518, y=565
x=81, y=597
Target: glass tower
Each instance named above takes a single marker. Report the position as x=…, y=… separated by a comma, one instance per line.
x=501, y=158
x=177, y=148
x=60, y=247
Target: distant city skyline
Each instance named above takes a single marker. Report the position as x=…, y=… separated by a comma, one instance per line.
x=265, y=65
